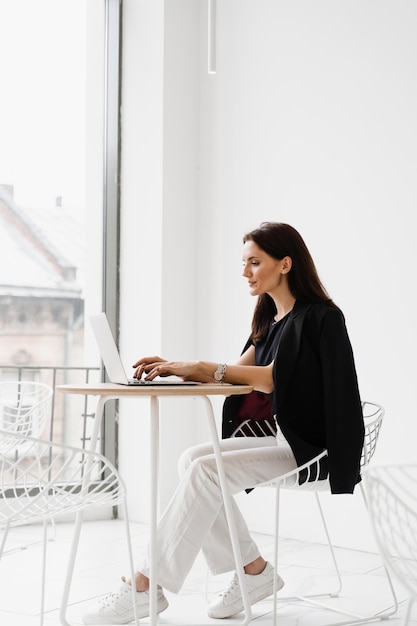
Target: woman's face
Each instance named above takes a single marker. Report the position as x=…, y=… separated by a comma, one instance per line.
x=263, y=272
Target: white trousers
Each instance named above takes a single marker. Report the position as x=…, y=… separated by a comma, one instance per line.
x=195, y=518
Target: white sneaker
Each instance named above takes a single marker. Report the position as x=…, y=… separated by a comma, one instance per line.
x=117, y=607
x=259, y=586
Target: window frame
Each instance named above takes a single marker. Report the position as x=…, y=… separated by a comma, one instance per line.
x=111, y=200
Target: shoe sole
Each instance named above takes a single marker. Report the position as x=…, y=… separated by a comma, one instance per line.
x=237, y=607
x=162, y=605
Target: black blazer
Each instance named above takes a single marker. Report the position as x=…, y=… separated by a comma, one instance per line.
x=316, y=398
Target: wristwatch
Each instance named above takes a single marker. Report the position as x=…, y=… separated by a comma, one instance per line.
x=220, y=372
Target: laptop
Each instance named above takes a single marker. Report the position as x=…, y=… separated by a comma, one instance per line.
x=112, y=361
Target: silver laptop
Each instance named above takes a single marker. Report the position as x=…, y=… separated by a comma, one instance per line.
x=112, y=361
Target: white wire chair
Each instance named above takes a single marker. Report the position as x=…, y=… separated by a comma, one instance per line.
x=392, y=501
x=307, y=478
x=52, y=480
x=25, y=406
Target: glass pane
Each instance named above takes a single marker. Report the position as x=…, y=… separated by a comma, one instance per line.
x=51, y=188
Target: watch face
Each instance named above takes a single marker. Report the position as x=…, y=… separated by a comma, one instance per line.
x=219, y=373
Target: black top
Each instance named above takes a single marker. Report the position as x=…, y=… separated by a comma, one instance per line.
x=316, y=398
x=266, y=350
x=257, y=405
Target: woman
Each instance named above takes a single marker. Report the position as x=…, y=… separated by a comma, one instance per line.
x=299, y=361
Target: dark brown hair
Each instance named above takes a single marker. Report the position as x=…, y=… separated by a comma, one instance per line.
x=280, y=240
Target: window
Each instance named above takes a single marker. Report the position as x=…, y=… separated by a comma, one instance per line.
x=57, y=253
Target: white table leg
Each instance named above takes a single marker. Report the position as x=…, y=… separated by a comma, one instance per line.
x=229, y=511
x=154, y=461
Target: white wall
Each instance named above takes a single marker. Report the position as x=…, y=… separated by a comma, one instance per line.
x=310, y=119
x=159, y=223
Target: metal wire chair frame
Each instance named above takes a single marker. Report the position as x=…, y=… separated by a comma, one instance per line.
x=391, y=492
x=373, y=416
x=24, y=406
x=51, y=481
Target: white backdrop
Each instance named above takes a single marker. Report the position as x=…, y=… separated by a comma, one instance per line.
x=311, y=120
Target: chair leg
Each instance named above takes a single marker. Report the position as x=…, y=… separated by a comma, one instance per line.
x=408, y=612
x=387, y=573
x=43, y=576
x=71, y=564
x=43, y=570
x=4, y=539
x=313, y=598
x=131, y=565
x=360, y=619
x=333, y=594
x=309, y=598
x=357, y=619
x=30, y=544
x=70, y=570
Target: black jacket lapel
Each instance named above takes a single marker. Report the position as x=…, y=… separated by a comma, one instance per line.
x=288, y=351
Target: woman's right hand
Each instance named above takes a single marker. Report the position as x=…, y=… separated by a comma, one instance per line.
x=145, y=365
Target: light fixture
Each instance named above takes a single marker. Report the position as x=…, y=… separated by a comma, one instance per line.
x=211, y=36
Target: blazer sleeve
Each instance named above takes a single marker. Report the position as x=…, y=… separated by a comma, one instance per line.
x=342, y=405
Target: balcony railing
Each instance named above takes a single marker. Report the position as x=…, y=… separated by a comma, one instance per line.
x=71, y=416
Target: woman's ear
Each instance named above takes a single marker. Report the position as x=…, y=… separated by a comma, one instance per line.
x=286, y=264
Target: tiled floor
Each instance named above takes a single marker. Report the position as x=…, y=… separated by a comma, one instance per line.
x=102, y=559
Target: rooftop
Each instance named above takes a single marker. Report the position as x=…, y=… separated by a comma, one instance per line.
x=41, y=251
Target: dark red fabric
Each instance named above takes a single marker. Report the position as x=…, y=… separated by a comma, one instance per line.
x=254, y=406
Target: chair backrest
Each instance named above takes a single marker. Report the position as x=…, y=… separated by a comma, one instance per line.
x=373, y=414
x=392, y=501
x=254, y=428
x=308, y=476
x=24, y=406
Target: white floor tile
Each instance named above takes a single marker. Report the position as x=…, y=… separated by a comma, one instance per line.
x=102, y=559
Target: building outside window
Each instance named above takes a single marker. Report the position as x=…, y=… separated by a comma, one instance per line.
x=52, y=60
